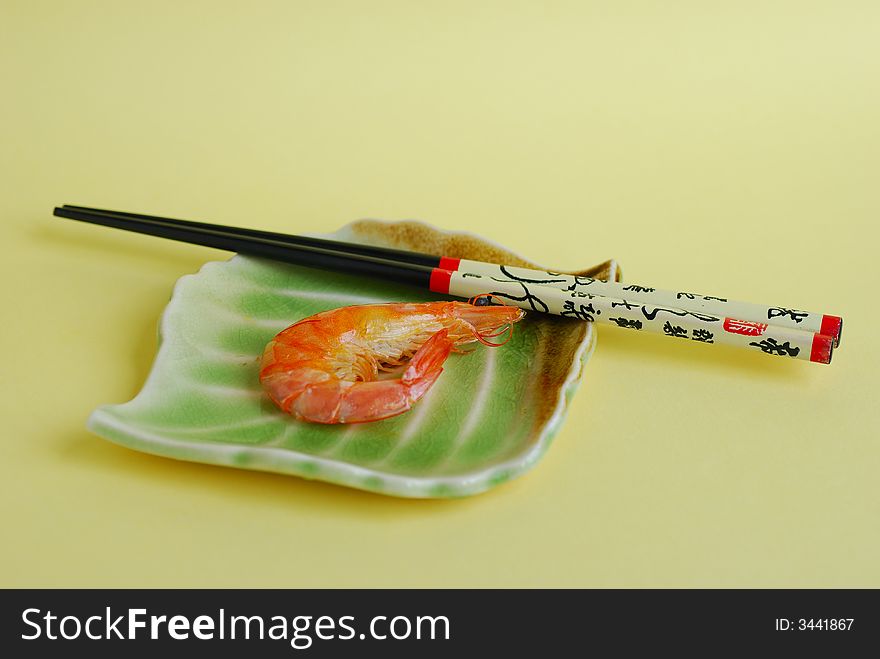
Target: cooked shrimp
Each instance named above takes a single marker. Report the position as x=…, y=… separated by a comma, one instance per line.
x=324, y=368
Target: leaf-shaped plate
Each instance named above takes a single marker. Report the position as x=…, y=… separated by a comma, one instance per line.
x=489, y=417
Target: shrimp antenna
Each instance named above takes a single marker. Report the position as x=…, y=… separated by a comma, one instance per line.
x=484, y=299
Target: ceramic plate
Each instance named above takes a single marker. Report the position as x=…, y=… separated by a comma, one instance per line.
x=489, y=418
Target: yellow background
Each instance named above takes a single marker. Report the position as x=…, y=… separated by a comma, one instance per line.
x=732, y=149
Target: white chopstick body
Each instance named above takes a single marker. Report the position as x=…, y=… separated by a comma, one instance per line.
x=716, y=306
x=668, y=320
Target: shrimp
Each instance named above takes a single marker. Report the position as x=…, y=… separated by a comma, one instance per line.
x=324, y=368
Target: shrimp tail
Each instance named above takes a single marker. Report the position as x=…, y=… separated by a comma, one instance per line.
x=340, y=401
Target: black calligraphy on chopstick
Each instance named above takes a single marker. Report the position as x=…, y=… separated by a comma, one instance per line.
x=629, y=324
x=694, y=296
x=651, y=315
x=635, y=288
x=536, y=303
x=583, y=312
x=624, y=303
x=580, y=280
x=703, y=336
x=527, y=280
x=794, y=314
x=582, y=294
x=773, y=347
x=675, y=330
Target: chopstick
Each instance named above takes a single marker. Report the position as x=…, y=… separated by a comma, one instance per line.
x=782, y=316
x=219, y=238
x=403, y=256
x=545, y=297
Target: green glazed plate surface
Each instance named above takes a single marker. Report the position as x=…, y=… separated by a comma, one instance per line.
x=489, y=417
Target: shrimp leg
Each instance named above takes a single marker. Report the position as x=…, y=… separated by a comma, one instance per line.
x=340, y=401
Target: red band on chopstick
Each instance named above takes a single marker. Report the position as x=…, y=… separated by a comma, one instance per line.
x=447, y=263
x=822, y=347
x=832, y=326
x=440, y=280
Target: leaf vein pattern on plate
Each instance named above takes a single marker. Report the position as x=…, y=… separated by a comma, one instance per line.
x=484, y=389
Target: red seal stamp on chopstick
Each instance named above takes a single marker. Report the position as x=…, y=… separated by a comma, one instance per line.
x=745, y=327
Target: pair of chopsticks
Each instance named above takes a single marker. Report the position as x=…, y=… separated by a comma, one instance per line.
x=772, y=330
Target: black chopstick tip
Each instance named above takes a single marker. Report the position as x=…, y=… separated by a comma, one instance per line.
x=65, y=212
